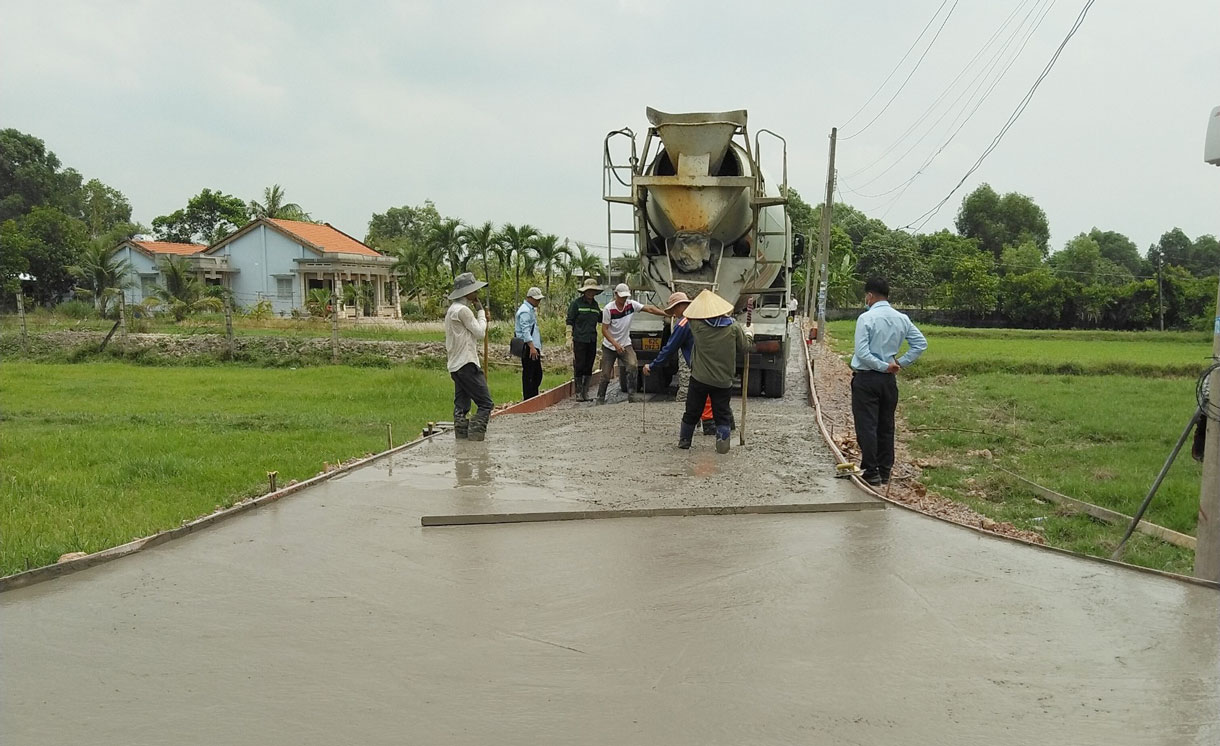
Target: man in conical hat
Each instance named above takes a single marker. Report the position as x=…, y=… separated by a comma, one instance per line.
x=719, y=344
x=464, y=330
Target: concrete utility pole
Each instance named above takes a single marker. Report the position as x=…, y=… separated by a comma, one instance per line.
x=1207, y=550
x=824, y=248
x=334, y=328
x=229, y=327
x=25, y=338
x=1160, y=295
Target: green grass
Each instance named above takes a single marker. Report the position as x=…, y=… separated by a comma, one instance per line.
x=94, y=455
x=1098, y=434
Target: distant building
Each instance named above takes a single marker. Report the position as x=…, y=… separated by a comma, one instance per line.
x=144, y=257
x=282, y=261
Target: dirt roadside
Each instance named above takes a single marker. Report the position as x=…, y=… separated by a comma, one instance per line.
x=832, y=377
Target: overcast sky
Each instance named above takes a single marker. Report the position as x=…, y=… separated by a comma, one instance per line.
x=497, y=110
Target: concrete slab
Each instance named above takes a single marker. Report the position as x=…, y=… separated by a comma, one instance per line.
x=333, y=617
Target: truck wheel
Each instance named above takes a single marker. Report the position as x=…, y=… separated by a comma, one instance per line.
x=755, y=385
x=774, y=383
x=654, y=384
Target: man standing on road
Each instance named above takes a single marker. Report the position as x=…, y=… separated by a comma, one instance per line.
x=880, y=332
x=464, y=330
x=719, y=344
x=531, y=354
x=616, y=344
x=584, y=314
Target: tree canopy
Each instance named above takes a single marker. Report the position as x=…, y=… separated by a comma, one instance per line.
x=207, y=217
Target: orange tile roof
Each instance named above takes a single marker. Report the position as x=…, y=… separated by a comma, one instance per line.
x=168, y=247
x=325, y=237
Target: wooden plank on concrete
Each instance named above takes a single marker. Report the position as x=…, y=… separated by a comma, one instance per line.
x=471, y=519
x=1105, y=514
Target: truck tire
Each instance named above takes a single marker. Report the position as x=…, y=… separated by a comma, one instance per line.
x=755, y=385
x=656, y=383
x=774, y=382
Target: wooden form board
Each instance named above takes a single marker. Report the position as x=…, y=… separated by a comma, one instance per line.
x=472, y=519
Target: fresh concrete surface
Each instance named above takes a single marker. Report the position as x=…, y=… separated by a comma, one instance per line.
x=332, y=617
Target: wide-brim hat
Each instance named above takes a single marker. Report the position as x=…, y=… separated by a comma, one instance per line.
x=677, y=299
x=591, y=284
x=707, y=305
x=465, y=284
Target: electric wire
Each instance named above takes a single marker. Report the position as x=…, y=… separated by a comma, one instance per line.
x=923, y=219
x=909, y=75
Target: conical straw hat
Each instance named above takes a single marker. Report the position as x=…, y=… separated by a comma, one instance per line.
x=708, y=305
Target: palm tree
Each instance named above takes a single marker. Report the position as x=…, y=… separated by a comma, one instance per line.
x=274, y=206
x=181, y=290
x=587, y=262
x=445, y=243
x=480, y=241
x=519, y=241
x=628, y=264
x=551, y=255
x=101, y=273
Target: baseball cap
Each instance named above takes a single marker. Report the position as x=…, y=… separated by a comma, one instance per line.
x=535, y=293
x=622, y=291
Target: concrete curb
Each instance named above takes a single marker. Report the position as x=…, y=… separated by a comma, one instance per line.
x=816, y=403
x=47, y=572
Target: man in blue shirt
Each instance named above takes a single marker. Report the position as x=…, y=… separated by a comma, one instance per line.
x=526, y=328
x=880, y=332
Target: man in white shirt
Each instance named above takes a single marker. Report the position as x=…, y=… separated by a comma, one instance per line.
x=464, y=330
x=616, y=339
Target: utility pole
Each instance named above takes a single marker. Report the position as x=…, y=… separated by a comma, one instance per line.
x=1160, y=296
x=1207, y=549
x=122, y=320
x=824, y=248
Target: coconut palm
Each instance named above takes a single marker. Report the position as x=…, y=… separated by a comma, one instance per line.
x=551, y=256
x=519, y=241
x=445, y=244
x=481, y=241
x=589, y=264
x=181, y=291
x=628, y=265
x=101, y=273
x=274, y=206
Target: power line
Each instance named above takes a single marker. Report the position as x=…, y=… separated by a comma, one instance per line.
x=1012, y=119
x=909, y=75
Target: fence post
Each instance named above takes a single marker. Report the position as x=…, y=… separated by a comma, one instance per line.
x=122, y=321
x=229, y=326
x=25, y=342
x=334, y=328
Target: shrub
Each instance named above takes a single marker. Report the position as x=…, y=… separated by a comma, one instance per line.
x=77, y=309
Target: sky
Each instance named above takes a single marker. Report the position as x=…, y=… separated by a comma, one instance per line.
x=498, y=110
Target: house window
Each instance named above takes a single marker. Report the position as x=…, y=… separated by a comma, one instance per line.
x=148, y=286
x=283, y=288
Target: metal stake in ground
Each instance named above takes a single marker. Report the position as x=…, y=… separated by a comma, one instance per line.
x=1156, y=484
x=745, y=378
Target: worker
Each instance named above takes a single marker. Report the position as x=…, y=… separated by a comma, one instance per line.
x=880, y=332
x=464, y=329
x=793, y=307
x=719, y=343
x=526, y=328
x=584, y=314
x=680, y=339
x=616, y=339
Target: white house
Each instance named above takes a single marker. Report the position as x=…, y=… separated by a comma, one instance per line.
x=283, y=260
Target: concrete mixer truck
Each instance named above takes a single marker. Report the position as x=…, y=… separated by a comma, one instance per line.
x=702, y=215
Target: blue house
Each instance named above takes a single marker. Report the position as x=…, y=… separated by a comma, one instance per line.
x=282, y=261
x=145, y=256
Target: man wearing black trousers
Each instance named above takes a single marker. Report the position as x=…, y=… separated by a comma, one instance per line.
x=526, y=328
x=880, y=332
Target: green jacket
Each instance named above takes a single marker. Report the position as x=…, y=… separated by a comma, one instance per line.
x=585, y=318
x=719, y=344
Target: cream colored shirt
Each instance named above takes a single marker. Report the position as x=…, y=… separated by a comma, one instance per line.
x=463, y=333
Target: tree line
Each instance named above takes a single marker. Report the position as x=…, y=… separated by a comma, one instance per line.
x=996, y=266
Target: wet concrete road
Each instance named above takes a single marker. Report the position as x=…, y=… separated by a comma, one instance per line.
x=332, y=617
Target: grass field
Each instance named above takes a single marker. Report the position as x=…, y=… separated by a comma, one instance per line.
x=94, y=455
x=1099, y=434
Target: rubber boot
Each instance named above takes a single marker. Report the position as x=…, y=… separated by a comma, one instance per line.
x=685, y=434
x=478, y=426
x=631, y=395
x=709, y=427
x=461, y=427
x=601, y=391
x=576, y=382
x=723, y=439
